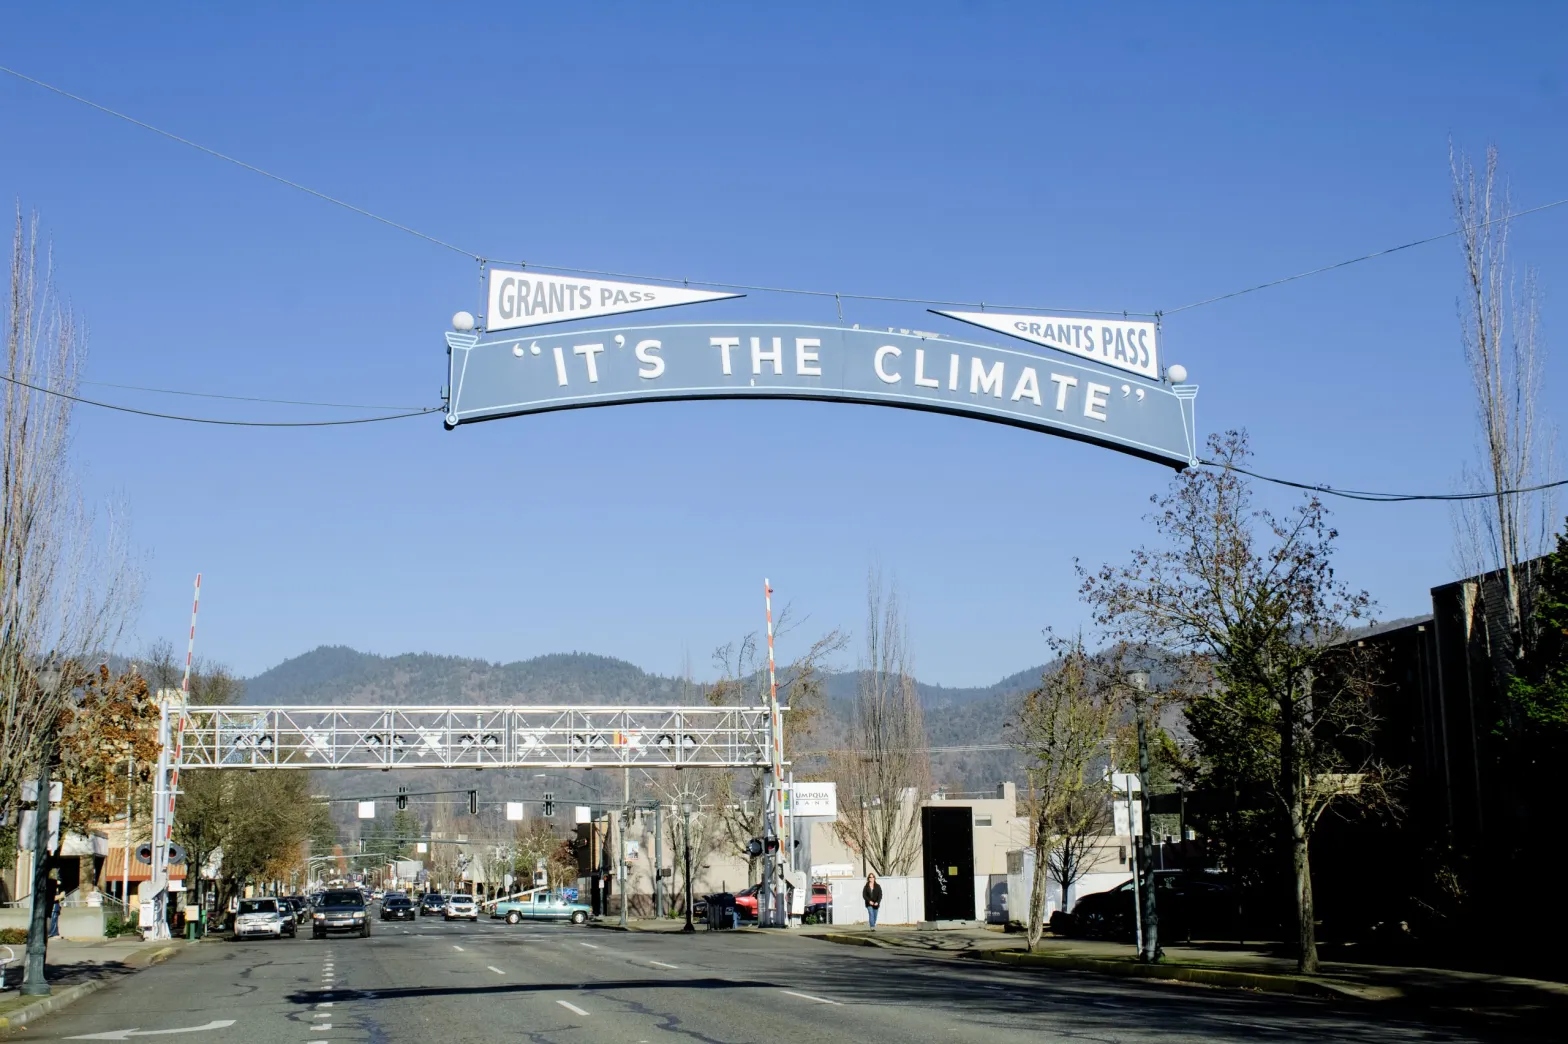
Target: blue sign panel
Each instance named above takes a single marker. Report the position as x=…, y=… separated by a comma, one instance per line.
x=497, y=375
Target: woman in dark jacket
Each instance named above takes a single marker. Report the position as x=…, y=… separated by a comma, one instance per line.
x=872, y=894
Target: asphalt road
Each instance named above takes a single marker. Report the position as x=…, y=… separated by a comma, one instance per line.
x=434, y=982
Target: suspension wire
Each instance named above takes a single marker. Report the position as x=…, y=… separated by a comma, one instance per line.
x=1364, y=257
x=245, y=398
x=1385, y=498
x=217, y=420
x=238, y=162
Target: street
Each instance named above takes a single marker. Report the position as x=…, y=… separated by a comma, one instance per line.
x=556, y=984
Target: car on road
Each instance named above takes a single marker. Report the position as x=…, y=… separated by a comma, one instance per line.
x=397, y=907
x=541, y=904
x=340, y=910
x=296, y=907
x=263, y=916
x=431, y=903
x=460, y=907
x=819, y=905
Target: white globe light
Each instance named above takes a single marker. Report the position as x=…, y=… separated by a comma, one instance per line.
x=1177, y=373
x=463, y=322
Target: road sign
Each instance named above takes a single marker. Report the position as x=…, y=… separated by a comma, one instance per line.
x=367, y=810
x=582, y=814
x=29, y=829
x=519, y=299
x=500, y=375
x=1122, y=343
x=514, y=811
x=30, y=790
x=814, y=799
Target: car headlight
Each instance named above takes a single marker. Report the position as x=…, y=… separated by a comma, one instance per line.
x=320, y=916
x=359, y=913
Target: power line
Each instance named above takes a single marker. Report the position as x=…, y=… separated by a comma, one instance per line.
x=836, y=295
x=238, y=162
x=217, y=420
x=246, y=398
x=1363, y=257
x=1384, y=498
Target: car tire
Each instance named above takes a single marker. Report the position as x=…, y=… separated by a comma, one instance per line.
x=364, y=933
x=318, y=935
x=512, y=917
x=578, y=917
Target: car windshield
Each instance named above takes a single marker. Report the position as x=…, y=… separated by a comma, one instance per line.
x=434, y=898
x=343, y=899
x=461, y=899
x=397, y=900
x=254, y=906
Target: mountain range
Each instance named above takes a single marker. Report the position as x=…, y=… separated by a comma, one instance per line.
x=340, y=675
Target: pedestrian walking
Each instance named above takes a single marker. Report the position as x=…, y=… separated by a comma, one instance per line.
x=54, y=920
x=872, y=894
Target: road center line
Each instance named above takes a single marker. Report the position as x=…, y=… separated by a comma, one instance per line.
x=456, y=947
x=807, y=996
x=493, y=968
x=591, y=946
x=569, y=1006
x=661, y=964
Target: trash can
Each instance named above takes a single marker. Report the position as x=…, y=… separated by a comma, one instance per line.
x=721, y=910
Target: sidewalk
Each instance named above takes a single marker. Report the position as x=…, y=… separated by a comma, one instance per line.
x=1220, y=964
x=76, y=969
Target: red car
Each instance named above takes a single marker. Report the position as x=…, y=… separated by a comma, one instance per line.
x=746, y=901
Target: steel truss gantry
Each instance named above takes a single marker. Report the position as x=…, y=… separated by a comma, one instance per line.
x=478, y=736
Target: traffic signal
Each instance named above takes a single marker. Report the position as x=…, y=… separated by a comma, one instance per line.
x=473, y=802
x=770, y=845
x=754, y=847
x=549, y=805
x=402, y=798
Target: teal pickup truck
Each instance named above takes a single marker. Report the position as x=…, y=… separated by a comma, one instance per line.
x=541, y=904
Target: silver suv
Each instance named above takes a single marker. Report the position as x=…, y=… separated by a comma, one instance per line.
x=263, y=916
x=460, y=907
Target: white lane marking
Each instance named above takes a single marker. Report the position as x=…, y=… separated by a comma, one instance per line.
x=569, y=1006
x=456, y=947
x=807, y=996
x=324, y=1004
x=661, y=964
x=321, y=1028
x=591, y=946
x=127, y=1034
x=493, y=968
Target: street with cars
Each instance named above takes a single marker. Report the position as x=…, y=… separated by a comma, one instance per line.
x=553, y=982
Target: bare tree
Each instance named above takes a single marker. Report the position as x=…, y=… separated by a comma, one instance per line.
x=743, y=680
x=886, y=770
x=1260, y=632
x=1084, y=822
x=1062, y=727
x=1500, y=327
x=66, y=582
x=704, y=829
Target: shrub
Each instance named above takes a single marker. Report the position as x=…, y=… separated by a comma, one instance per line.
x=13, y=936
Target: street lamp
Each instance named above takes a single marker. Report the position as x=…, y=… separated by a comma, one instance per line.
x=35, y=984
x=686, y=843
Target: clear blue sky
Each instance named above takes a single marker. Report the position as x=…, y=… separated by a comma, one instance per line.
x=1137, y=158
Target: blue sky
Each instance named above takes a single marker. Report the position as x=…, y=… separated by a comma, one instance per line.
x=1135, y=158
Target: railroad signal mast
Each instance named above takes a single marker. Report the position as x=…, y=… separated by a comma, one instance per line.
x=773, y=909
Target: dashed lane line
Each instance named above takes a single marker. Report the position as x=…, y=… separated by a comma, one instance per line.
x=456, y=947
x=807, y=996
x=493, y=968
x=569, y=1006
x=672, y=967
x=591, y=946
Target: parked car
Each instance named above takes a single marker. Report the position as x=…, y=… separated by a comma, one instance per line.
x=264, y=916
x=460, y=907
x=397, y=907
x=1189, y=904
x=431, y=903
x=295, y=908
x=746, y=901
x=541, y=904
x=819, y=905
x=340, y=910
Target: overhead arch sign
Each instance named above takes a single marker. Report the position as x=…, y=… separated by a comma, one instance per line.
x=494, y=375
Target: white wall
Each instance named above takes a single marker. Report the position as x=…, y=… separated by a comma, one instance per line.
x=903, y=900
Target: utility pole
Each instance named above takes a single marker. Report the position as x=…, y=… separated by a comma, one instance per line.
x=1149, y=950
x=686, y=843
x=36, y=983
x=626, y=815
x=658, y=861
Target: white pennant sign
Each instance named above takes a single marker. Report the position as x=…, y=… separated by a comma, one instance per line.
x=532, y=299
x=1124, y=344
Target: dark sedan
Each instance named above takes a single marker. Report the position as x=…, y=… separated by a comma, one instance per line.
x=340, y=910
x=1194, y=904
x=431, y=903
x=397, y=907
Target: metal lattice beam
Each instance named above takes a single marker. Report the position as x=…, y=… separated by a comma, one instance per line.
x=300, y=737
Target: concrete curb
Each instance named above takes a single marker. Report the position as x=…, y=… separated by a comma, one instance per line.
x=18, y=1018
x=1262, y=981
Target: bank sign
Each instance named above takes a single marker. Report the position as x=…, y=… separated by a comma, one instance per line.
x=495, y=375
